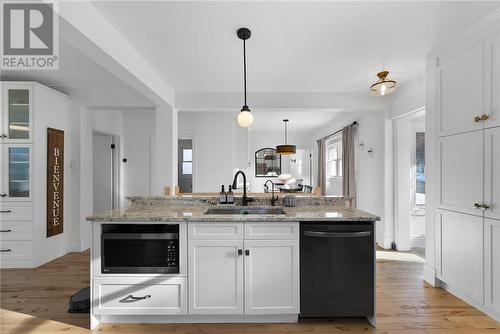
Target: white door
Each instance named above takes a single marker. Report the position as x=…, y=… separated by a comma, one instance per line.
x=17, y=170
x=460, y=167
x=462, y=253
x=492, y=81
x=460, y=92
x=492, y=172
x=271, y=277
x=18, y=114
x=215, y=270
x=492, y=264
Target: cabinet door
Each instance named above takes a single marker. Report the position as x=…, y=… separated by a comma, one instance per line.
x=461, y=172
x=492, y=172
x=215, y=277
x=492, y=264
x=460, y=91
x=18, y=172
x=462, y=253
x=271, y=277
x=492, y=81
x=18, y=114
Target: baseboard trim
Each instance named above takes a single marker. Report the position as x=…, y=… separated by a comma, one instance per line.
x=480, y=306
x=430, y=276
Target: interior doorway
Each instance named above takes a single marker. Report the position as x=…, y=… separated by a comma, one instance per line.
x=105, y=172
x=185, y=165
x=409, y=182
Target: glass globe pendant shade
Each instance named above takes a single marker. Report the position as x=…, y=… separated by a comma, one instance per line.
x=383, y=86
x=245, y=117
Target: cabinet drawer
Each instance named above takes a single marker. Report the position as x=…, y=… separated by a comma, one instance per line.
x=16, y=231
x=16, y=250
x=17, y=211
x=272, y=230
x=215, y=231
x=139, y=296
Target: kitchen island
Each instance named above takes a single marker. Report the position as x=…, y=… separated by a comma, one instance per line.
x=187, y=259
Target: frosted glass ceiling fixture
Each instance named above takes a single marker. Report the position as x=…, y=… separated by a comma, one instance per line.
x=245, y=117
x=383, y=86
x=286, y=149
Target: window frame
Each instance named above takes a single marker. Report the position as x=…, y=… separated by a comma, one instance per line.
x=335, y=141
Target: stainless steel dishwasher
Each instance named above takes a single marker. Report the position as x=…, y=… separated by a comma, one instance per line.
x=337, y=270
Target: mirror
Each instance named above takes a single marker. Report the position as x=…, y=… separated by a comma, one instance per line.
x=267, y=163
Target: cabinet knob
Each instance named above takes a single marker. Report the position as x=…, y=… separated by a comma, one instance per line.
x=477, y=205
x=485, y=206
x=3, y=135
x=477, y=119
x=3, y=195
x=240, y=251
x=484, y=117
x=247, y=252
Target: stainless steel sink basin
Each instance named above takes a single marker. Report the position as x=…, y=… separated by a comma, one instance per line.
x=245, y=211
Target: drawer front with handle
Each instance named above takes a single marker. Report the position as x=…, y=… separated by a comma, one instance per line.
x=16, y=250
x=139, y=296
x=18, y=211
x=274, y=231
x=16, y=231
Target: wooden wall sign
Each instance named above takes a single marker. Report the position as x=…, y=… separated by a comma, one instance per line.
x=55, y=181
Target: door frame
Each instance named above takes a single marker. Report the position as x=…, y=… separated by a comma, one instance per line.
x=398, y=239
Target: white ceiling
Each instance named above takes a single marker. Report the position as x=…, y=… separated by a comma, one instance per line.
x=295, y=46
x=299, y=121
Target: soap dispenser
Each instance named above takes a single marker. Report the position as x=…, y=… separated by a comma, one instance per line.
x=230, y=196
x=222, y=196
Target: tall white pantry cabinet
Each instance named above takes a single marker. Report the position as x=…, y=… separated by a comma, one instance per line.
x=467, y=140
x=27, y=110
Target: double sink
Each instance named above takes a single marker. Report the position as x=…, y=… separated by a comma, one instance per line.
x=244, y=211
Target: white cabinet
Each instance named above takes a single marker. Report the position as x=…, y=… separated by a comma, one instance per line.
x=460, y=169
x=460, y=91
x=215, y=269
x=17, y=178
x=17, y=114
x=492, y=81
x=462, y=252
x=271, y=277
x=260, y=267
x=492, y=172
x=492, y=265
x=139, y=296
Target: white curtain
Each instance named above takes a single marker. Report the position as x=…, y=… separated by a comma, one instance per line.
x=322, y=166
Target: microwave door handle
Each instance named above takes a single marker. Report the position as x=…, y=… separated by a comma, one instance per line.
x=325, y=234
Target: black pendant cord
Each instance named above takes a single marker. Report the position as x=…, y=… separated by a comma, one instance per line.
x=245, y=70
x=286, y=136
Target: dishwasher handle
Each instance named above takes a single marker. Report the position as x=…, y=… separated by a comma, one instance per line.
x=325, y=234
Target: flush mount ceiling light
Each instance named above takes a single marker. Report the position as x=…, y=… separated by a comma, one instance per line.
x=383, y=86
x=245, y=117
x=286, y=149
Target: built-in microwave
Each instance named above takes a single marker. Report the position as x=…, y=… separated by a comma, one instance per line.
x=140, y=248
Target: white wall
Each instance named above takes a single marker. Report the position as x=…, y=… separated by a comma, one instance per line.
x=138, y=139
x=370, y=175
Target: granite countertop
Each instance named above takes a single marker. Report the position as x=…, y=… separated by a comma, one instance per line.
x=195, y=213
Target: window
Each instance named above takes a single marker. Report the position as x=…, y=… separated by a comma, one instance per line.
x=420, y=168
x=334, y=158
x=187, y=161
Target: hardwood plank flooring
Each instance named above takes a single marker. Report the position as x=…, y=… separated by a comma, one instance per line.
x=36, y=301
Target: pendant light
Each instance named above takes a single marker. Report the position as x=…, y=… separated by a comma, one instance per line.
x=245, y=117
x=383, y=86
x=286, y=149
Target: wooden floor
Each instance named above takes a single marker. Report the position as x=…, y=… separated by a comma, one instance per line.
x=36, y=300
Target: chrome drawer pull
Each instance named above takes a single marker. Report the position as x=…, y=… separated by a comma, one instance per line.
x=139, y=298
x=5, y=250
x=5, y=230
x=5, y=211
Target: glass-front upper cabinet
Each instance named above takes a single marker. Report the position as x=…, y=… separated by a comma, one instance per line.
x=17, y=115
x=17, y=174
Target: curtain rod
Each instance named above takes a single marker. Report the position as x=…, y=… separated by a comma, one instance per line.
x=355, y=123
